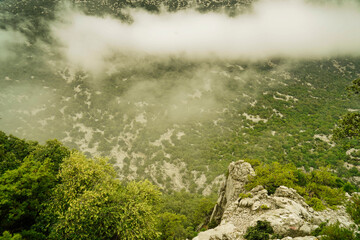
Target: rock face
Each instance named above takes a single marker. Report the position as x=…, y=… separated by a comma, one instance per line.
x=238, y=173
x=286, y=210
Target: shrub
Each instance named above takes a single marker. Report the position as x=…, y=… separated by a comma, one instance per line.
x=353, y=208
x=335, y=232
x=245, y=195
x=264, y=207
x=261, y=231
x=320, y=188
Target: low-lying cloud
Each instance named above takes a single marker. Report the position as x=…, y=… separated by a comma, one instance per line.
x=275, y=28
x=7, y=41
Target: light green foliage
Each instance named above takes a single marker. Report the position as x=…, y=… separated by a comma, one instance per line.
x=8, y=236
x=253, y=162
x=273, y=175
x=78, y=174
x=320, y=188
x=90, y=203
x=264, y=207
x=245, y=195
x=316, y=203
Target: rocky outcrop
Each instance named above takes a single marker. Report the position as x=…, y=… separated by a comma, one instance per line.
x=286, y=210
x=237, y=177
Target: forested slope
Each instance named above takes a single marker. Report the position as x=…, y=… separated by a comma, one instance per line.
x=176, y=121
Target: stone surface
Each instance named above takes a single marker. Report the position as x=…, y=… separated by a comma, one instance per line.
x=238, y=173
x=286, y=210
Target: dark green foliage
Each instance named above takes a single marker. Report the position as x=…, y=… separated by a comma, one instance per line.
x=353, y=208
x=28, y=176
x=261, y=231
x=12, y=151
x=22, y=192
x=52, y=195
x=355, y=87
x=348, y=126
x=53, y=150
x=334, y=232
x=188, y=211
x=172, y=226
x=319, y=229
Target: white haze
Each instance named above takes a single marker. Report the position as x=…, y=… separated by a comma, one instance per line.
x=7, y=39
x=275, y=28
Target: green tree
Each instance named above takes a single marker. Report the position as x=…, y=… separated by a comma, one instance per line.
x=349, y=125
x=22, y=192
x=90, y=203
x=171, y=226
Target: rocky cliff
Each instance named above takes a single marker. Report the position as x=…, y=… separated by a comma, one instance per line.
x=286, y=210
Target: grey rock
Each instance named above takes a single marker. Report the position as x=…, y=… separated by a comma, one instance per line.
x=287, y=211
x=234, y=185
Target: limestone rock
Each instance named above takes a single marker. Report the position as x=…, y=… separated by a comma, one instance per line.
x=223, y=232
x=286, y=210
x=238, y=173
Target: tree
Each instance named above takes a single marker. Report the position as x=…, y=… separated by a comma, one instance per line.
x=90, y=203
x=349, y=125
x=172, y=225
x=22, y=192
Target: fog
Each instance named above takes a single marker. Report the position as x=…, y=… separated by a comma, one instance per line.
x=172, y=86
x=7, y=41
x=274, y=28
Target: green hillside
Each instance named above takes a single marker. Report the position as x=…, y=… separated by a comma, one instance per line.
x=175, y=121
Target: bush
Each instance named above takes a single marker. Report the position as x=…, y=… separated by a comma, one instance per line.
x=353, y=208
x=245, y=195
x=320, y=188
x=335, y=232
x=264, y=207
x=261, y=231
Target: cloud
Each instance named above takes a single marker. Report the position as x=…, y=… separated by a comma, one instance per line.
x=275, y=28
x=7, y=40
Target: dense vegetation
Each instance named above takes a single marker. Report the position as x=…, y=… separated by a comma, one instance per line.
x=321, y=188
x=299, y=101
x=50, y=192
x=335, y=231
